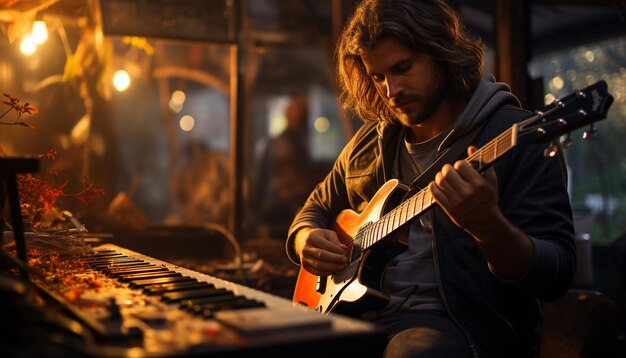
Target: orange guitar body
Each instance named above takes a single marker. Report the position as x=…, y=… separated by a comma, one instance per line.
x=353, y=291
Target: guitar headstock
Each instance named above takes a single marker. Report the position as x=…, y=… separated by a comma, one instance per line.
x=581, y=108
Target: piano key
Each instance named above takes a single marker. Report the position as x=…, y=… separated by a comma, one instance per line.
x=111, y=261
x=104, y=254
x=183, y=295
x=207, y=310
x=125, y=271
x=135, y=263
x=219, y=300
x=220, y=294
x=141, y=276
x=153, y=281
x=188, y=285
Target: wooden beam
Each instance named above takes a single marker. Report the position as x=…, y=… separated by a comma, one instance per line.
x=512, y=46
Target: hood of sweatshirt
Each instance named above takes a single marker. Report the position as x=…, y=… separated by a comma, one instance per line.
x=488, y=96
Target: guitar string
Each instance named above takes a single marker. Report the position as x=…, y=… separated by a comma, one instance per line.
x=499, y=145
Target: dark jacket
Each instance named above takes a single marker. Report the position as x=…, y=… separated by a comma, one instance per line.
x=499, y=317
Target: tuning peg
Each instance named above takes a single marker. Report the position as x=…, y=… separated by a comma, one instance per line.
x=568, y=141
x=591, y=133
x=551, y=150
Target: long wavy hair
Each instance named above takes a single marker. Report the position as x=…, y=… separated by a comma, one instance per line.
x=431, y=27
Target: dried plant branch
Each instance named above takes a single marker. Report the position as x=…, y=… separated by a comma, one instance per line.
x=14, y=104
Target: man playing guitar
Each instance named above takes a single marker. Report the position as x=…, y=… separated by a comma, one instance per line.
x=466, y=277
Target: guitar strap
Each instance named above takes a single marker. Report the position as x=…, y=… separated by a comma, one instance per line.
x=449, y=155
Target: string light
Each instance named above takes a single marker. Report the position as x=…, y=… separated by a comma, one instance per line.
x=28, y=46
x=187, y=123
x=39, y=33
x=121, y=80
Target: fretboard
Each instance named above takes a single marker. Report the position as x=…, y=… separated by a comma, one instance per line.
x=415, y=205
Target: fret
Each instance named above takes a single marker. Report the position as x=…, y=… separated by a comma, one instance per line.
x=383, y=226
x=430, y=197
x=389, y=224
x=404, y=210
x=380, y=228
x=396, y=219
x=488, y=153
x=370, y=234
x=421, y=194
x=411, y=207
x=495, y=155
x=508, y=135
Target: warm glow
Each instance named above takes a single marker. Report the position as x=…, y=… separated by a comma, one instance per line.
x=556, y=84
x=177, y=101
x=321, y=124
x=571, y=75
x=590, y=56
x=549, y=98
x=277, y=125
x=187, y=123
x=121, y=80
x=28, y=46
x=39, y=32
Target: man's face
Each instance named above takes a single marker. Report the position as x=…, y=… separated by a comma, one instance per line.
x=410, y=83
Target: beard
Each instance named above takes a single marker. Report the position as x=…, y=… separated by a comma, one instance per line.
x=423, y=105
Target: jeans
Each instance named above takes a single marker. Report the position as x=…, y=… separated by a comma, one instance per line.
x=423, y=333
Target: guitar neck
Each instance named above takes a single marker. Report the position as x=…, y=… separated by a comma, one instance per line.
x=414, y=206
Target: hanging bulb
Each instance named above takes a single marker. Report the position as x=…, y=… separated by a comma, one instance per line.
x=39, y=33
x=28, y=46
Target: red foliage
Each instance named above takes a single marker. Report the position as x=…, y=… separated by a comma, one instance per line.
x=38, y=198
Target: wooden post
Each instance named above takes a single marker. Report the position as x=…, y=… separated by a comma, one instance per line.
x=512, y=46
x=235, y=217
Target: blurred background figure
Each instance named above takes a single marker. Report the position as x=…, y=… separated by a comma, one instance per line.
x=284, y=177
x=203, y=186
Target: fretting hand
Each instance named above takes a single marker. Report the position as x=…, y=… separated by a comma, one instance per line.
x=469, y=198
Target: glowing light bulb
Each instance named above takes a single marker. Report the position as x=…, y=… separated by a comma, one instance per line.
x=187, y=123
x=28, y=46
x=121, y=80
x=321, y=124
x=39, y=33
x=177, y=100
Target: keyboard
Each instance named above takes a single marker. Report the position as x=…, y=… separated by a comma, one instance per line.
x=136, y=305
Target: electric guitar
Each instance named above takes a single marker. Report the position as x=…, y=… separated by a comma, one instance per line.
x=355, y=290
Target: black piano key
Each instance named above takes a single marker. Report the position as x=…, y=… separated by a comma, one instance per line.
x=98, y=251
x=103, y=254
x=104, y=258
x=165, y=288
x=127, y=264
x=184, y=295
x=127, y=271
x=141, y=276
x=111, y=261
x=114, y=268
x=209, y=310
x=218, y=301
x=220, y=294
x=134, y=263
x=153, y=281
